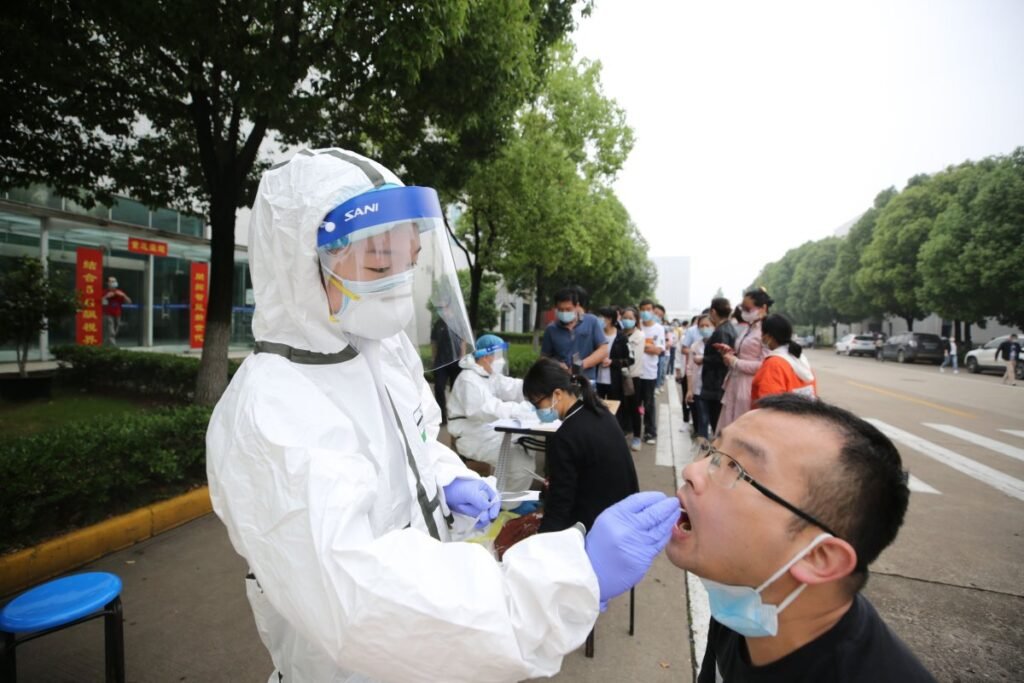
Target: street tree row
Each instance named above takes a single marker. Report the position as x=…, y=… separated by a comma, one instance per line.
x=184, y=103
x=951, y=243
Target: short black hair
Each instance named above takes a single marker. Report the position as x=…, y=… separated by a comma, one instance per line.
x=865, y=496
x=566, y=294
x=645, y=302
x=659, y=306
x=582, y=295
x=721, y=306
x=608, y=312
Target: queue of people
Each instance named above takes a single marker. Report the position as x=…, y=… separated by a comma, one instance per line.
x=324, y=464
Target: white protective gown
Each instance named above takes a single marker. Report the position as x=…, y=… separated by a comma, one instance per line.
x=478, y=399
x=310, y=472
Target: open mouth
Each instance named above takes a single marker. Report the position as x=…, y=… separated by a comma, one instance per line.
x=684, y=521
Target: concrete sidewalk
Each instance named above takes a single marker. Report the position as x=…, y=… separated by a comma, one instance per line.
x=187, y=618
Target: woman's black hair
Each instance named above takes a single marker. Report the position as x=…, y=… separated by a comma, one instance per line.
x=781, y=330
x=610, y=312
x=759, y=297
x=737, y=314
x=547, y=374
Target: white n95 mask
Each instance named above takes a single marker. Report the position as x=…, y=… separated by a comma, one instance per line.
x=740, y=608
x=375, y=309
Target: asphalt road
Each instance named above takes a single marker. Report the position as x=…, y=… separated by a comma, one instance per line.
x=952, y=585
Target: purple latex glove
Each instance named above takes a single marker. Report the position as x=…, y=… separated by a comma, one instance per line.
x=627, y=537
x=473, y=498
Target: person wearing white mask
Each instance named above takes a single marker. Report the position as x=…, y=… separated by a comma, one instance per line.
x=745, y=358
x=324, y=464
x=781, y=518
x=482, y=394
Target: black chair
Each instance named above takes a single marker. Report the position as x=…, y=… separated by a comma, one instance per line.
x=588, y=648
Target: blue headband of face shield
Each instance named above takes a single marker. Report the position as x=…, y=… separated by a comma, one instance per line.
x=488, y=350
x=380, y=208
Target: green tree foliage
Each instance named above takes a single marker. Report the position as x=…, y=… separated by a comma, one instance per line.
x=172, y=102
x=487, y=309
x=29, y=299
x=839, y=287
x=889, y=275
x=541, y=213
x=805, y=300
x=971, y=267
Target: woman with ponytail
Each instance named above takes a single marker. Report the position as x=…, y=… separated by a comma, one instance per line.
x=589, y=466
x=744, y=359
x=785, y=369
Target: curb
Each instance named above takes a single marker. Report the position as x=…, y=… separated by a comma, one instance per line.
x=30, y=566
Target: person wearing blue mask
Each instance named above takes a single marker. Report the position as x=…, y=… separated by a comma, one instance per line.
x=324, y=463
x=574, y=339
x=694, y=362
x=781, y=517
x=589, y=466
x=629, y=412
x=654, y=347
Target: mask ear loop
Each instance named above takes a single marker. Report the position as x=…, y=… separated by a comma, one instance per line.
x=335, y=282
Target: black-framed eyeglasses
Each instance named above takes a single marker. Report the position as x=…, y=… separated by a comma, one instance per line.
x=725, y=471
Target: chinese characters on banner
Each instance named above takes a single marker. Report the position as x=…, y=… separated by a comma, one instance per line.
x=141, y=246
x=199, y=288
x=89, y=284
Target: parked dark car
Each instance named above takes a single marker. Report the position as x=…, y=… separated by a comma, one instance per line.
x=911, y=347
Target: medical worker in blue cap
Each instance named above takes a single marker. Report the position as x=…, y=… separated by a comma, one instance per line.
x=324, y=464
x=482, y=394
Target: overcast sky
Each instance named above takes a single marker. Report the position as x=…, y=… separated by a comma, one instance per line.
x=761, y=125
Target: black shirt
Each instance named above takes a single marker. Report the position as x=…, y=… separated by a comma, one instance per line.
x=713, y=369
x=860, y=647
x=590, y=468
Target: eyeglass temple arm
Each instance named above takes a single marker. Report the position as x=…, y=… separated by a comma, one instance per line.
x=789, y=506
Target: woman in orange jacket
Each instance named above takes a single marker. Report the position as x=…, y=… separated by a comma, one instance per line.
x=785, y=369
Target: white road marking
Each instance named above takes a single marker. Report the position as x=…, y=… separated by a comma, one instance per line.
x=663, y=448
x=978, y=439
x=700, y=619
x=1014, y=432
x=1011, y=486
x=916, y=484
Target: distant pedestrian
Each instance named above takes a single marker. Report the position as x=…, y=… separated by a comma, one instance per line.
x=713, y=368
x=948, y=355
x=113, y=300
x=1010, y=350
x=654, y=346
x=694, y=364
x=630, y=418
x=609, y=372
x=574, y=339
x=659, y=317
x=879, y=343
x=786, y=369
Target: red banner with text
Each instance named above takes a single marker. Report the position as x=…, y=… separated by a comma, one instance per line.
x=199, y=288
x=137, y=245
x=89, y=284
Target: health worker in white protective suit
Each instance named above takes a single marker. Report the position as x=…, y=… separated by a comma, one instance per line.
x=482, y=394
x=324, y=463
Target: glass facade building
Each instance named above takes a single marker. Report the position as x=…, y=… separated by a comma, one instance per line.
x=36, y=222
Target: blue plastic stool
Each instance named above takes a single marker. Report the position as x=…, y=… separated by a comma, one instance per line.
x=61, y=603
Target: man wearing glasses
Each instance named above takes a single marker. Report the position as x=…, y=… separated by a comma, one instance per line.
x=782, y=516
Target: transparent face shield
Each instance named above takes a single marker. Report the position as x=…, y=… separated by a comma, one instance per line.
x=387, y=267
x=496, y=355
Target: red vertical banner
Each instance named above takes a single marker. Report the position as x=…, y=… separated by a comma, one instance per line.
x=89, y=284
x=199, y=288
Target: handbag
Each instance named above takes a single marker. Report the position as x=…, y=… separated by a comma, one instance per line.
x=627, y=383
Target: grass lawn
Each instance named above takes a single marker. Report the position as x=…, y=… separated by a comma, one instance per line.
x=67, y=405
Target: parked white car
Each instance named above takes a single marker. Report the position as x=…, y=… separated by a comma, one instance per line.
x=843, y=345
x=861, y=345
x=983, y=359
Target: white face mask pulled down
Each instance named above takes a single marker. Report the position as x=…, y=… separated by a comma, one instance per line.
x=740, y=608
x=374, y=309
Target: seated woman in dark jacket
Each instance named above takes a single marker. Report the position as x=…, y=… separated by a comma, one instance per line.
x=589, y=465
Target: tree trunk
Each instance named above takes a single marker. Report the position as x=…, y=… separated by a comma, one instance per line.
x=967, y=336
x=910, y=323
x=21, y=353
x=835, y=331
x=213, y=367
x=538, y=314
x=956, y=331
x=476, y=273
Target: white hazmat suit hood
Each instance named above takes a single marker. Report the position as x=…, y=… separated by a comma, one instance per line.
x=324, y=465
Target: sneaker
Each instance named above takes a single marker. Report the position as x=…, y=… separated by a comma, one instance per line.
x=635, y=445
x=650, y=439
